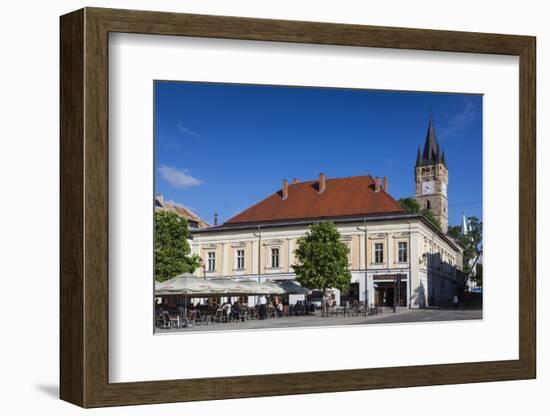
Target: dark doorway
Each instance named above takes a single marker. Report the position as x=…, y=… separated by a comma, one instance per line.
x=384, y=294
x=353, y=294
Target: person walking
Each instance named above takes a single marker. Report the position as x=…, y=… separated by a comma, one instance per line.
x=455, y=302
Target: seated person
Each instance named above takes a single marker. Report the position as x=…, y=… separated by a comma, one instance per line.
x=236, y=310
x=280, y=309
x=226, y=307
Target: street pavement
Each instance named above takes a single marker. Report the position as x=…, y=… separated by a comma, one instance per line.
x=385, y=317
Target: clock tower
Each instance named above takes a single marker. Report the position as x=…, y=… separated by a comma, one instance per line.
x=432, y=178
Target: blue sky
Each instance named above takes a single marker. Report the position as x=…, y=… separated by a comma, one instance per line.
x=220, y=148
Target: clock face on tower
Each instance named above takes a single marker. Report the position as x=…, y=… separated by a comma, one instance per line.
x=427, y=188
x=444, y=188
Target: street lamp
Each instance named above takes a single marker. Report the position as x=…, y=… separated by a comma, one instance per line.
x=397, y=292
x=366, y=267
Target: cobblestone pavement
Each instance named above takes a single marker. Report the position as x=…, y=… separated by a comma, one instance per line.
x=386, y=317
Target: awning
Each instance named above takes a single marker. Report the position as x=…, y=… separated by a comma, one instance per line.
x=292, y=287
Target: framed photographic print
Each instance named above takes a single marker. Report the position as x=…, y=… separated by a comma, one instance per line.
x=242, y=199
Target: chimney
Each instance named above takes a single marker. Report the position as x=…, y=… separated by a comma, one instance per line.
x=385, y=183
x=322, y=183
x=215, y=219
x=295, y=181
x=285, y=189
x=376, y=184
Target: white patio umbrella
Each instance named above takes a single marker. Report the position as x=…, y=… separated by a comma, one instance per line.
x=233, y=287
x=264, y=288
x=188, y=285
x=249, y=287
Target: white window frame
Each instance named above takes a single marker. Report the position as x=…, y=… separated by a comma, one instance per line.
x=239, y=259
x=376, y=252
x=348, y=241
x=211, y=261
x=278, y=265
x=406, y=250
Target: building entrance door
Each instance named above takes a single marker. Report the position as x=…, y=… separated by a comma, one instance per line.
x=353, y=294
x=384, y=294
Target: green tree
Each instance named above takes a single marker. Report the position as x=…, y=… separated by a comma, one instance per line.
x=471, y=242
x=479, y=274
x=322, y=259
x=432, y=218
x=412, y=206
x=172, y=250
x=454, y=231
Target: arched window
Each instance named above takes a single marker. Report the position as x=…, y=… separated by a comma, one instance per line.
x=428, y=205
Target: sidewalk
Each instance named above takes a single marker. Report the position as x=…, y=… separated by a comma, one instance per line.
x=387, y=316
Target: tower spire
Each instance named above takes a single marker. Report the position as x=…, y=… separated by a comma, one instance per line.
x=431, y=146
x=418, y=158
x=431, y=177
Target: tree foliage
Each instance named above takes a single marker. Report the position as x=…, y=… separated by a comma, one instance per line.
x=322, y=259
x=471, y=241
x=172, y=250
x=454, y=231
x=479, y=274
x=430, y=216
x=412, y=206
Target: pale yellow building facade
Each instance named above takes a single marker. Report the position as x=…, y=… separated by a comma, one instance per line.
x=383, y=252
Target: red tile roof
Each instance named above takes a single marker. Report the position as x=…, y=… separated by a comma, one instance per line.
x=181, y=212
x=343, y=197
x=187, y=214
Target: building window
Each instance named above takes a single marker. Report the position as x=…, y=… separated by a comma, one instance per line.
x=378, y=253
x=240, y=259
x=275, y=257
x=402, y=254
x=428, y=205
x=348, y=245
x=211, y=261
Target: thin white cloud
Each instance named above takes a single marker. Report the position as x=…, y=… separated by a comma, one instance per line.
x=184, y=130
x=461, y=120
x=178, y=178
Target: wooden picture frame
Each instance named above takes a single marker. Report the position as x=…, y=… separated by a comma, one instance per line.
x=84, y=207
